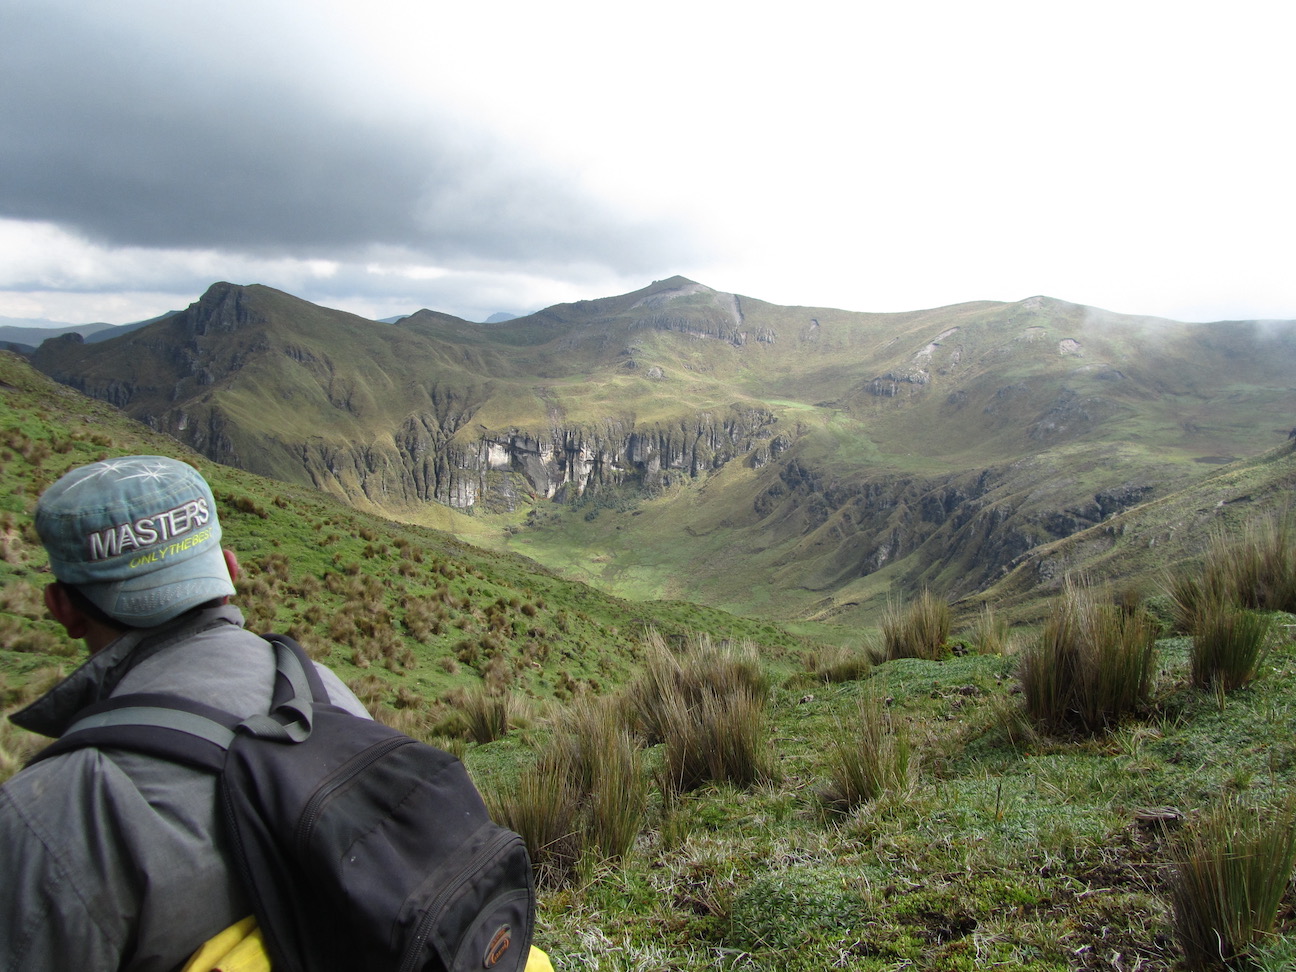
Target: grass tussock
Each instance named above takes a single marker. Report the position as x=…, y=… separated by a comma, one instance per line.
x=869, y=756
x=586, y=797
x=488, y=715
x=542, y=808
x=17, y=745
x=716, y=740
x=833, y=665
x=917, y=630
x=1231, y=869
x=990, y=632
x=1228, y=645
x=1254, y=569
x=707, y=706
x=1092, y=667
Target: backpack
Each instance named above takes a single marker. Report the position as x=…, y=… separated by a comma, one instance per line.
x=360, y=848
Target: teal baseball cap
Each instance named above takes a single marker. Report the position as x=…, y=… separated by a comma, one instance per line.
x=137, y=535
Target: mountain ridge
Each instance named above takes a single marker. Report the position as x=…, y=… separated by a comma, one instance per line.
x=838, y=457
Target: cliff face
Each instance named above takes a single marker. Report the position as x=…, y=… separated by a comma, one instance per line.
x=421, y=461
x=958, y=532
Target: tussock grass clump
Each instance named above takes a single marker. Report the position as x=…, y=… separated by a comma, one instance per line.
x=19, y=635
x=707, y=706
x=487, y=714
x=990, y=632
x=17, y=745
x=1228, y=645
x=1256, y=569
x=918, y=630
x=542, y=808
x=701, y=669
x=833, y=665
x=716, y=739
x=1092, y=667
x=1230, y=871
x=586, y=797
x=607, y=768
x=869, y=757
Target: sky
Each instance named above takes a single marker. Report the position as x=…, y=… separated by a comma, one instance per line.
x=388, y=155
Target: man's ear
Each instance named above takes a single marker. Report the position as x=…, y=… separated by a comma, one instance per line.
x=231, y=562
x=64, y=611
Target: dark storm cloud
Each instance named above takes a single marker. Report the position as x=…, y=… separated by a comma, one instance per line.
x=133, y=125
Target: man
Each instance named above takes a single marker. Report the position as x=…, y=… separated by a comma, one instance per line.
x=112, y=859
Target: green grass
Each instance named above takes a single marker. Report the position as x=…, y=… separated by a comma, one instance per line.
x=1231, y=870
x=1010, y=852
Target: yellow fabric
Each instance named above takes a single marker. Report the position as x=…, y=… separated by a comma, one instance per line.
x=239, y=948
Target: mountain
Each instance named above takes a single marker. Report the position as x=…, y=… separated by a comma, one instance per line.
x=25, y=337
x=683, y=442
x=111, y=332
x=500, y=317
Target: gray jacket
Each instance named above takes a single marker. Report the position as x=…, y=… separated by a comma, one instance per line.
x=111, y=859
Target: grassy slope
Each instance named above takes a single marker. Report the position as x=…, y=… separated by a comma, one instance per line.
x=1136, y=549
x=1025, y=855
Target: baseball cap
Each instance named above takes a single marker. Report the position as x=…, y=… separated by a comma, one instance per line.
x=137, y=535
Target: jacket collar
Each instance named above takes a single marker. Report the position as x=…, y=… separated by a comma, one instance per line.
x=95, y=680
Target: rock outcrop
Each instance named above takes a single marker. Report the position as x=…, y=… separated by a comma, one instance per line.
x=495, y=470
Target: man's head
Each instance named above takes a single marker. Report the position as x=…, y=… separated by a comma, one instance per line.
x=137, y=536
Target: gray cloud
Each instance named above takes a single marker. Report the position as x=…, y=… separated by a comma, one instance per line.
x=135, y=126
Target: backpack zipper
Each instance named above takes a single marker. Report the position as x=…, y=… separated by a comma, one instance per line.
x=433, y=912
x=310, y=814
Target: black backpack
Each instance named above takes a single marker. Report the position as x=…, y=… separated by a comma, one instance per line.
x=360, y=848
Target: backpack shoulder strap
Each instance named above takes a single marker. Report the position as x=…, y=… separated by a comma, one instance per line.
x=185, y=731
x=296, y=670
x=167, y=726
x=298, y=687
